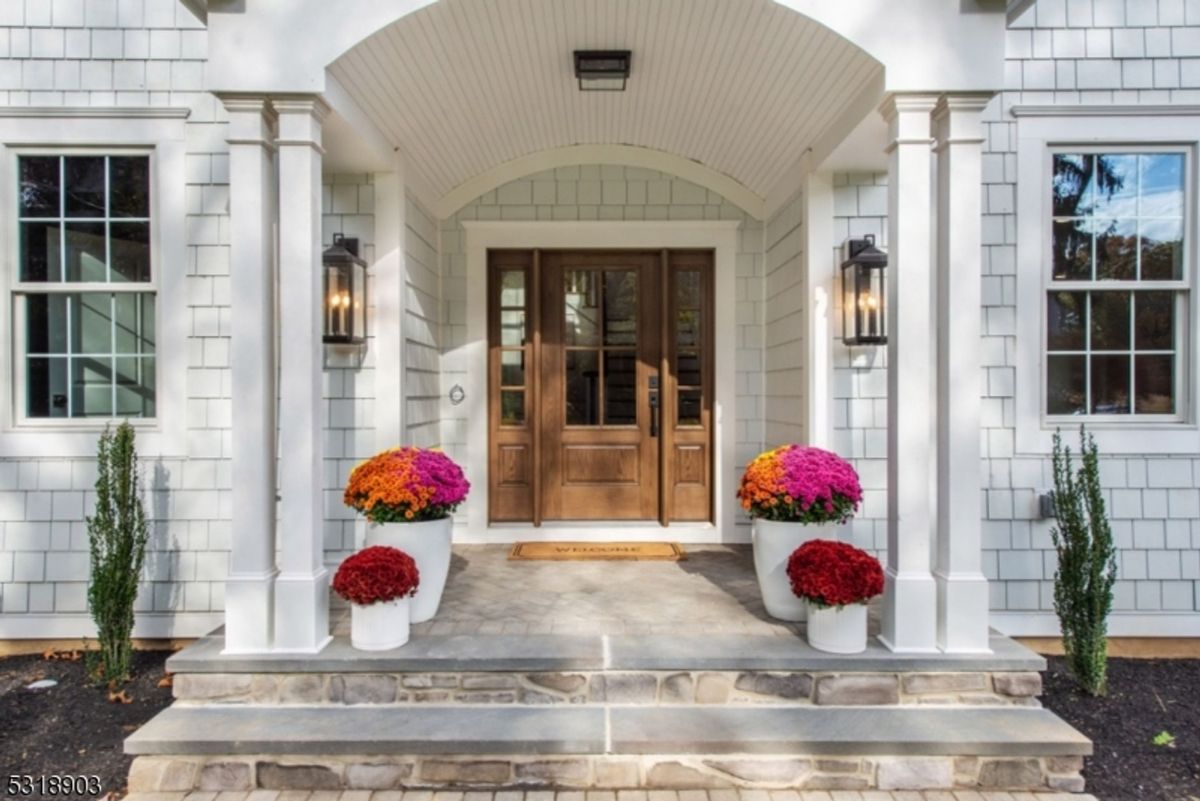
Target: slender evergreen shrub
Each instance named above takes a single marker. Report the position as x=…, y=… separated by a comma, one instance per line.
x=1087, y=565
x=117, y=534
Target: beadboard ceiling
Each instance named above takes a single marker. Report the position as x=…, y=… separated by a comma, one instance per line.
x=742, y=86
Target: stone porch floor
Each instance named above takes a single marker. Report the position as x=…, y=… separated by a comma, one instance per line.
x=714, y=591
x=623, y=795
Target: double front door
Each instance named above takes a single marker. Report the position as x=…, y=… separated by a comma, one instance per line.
x=600, y=385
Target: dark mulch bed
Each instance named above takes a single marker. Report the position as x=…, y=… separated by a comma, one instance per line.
x=1145, y=697
x=72, y=729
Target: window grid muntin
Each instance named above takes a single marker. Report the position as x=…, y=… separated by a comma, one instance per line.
x=22, y=290
x=1181, y=288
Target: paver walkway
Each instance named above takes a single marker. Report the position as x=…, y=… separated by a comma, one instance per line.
x=714, y=591
x=624, y=795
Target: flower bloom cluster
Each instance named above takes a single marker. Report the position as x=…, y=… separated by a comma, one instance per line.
x=406, y=485
x=831, y=573
x=375, y=575
x=800, y=485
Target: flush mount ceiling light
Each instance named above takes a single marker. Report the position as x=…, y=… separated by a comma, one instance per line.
x=602, y=70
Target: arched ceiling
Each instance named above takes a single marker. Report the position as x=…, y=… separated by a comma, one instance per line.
x=743, y=87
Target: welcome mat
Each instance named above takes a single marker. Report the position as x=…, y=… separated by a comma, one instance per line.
x=598, y=551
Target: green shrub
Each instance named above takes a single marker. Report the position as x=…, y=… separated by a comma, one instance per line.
x=117, y=535
x=1087, y=565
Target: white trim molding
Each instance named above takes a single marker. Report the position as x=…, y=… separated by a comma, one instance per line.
x=622, y=155
x=1045, y=624
x=149, y=625
x=722, y=237
x=1036, y=137
x=1116, y=110
x=95, y=112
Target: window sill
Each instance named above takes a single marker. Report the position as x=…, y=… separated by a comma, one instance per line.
x=68, y=442
x=1113, y=438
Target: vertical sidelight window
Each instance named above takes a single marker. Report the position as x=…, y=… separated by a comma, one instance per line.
x=1118, y=292
x=85, y=288
x=514, y=346
x=689, y=346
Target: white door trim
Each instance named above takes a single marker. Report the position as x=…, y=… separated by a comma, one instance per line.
x=722, y=237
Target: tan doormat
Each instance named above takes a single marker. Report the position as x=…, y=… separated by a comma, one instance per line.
x=598, y=551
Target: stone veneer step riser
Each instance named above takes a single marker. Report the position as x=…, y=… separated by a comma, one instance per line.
x=614, y=688
x=604, y=772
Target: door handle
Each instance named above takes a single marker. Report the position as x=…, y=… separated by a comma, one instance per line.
x=654, y=406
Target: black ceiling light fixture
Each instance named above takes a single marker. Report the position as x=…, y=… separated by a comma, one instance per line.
x=602, y=70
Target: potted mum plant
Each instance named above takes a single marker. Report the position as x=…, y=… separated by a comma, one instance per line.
x=794, y=494
x=379, y=583
x=408, y=495
x=836, y=580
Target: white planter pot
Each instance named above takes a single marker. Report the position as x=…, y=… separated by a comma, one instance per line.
x=838, y=630
x=428, y=543
x=380, y=626
x=774, y=542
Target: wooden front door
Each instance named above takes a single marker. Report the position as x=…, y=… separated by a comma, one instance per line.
x=600, y=385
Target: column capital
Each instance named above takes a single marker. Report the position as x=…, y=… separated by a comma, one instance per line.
x=251, y=119
x=301, y=118
x=313, y=105
x=956, y=119
x=898, y=103
x=908, y=119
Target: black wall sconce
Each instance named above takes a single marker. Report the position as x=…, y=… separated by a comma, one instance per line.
x=345, y=293
x=864, y=293
x=602, y=70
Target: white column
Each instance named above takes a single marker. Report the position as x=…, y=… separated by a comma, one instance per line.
x=962, y=622
x=302, y=589
x=910, y=597
x=248, y=591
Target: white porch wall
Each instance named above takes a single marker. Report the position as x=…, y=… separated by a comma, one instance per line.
x=785, y=312
x=608, y=192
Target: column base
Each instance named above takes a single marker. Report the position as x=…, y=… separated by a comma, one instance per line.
x=302, y=612
x=909, y=612
x=963, y=613
x=249, y=613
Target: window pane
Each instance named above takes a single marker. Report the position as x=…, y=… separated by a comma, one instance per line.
x=134, y=322
x=46, y=387
x=91, y=387
x=41, y=252
x=620, y=307
x=46, y=324
x=512, y=288
x=689, y=374
x=1066, y=320
x=130, y=251
x=512, y=368
x=1072, y=250
x=1065, y=389
x=85, y=252
x=583, y=388
x=1110, y=385
x=39, y=186
x=1155, y=320
x=581, y=304
x=1072, y=184
x=135, y=386
x=129, y=179
x=512, y=328
x=688, y=288
x=91, y=323
x=1162, y=185
x=1110, y=320
x=620, y=387
x=1116, y=250
x=1155, y=377
x=689, y=407
x=688, y=333
x=1162, y=250
x=1114, y=186
x=83, y=177
x=512, y=407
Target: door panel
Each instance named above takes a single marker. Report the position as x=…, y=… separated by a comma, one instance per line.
x=598, y=320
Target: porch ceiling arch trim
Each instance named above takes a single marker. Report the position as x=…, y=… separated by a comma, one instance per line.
x=620, y=155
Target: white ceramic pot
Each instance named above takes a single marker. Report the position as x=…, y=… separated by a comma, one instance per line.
x=774, y=542
x=380, y=626
x=428, y=543
x=838, y=630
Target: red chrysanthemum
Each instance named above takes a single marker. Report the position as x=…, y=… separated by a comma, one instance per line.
x=831, y=573
x=376, y=574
